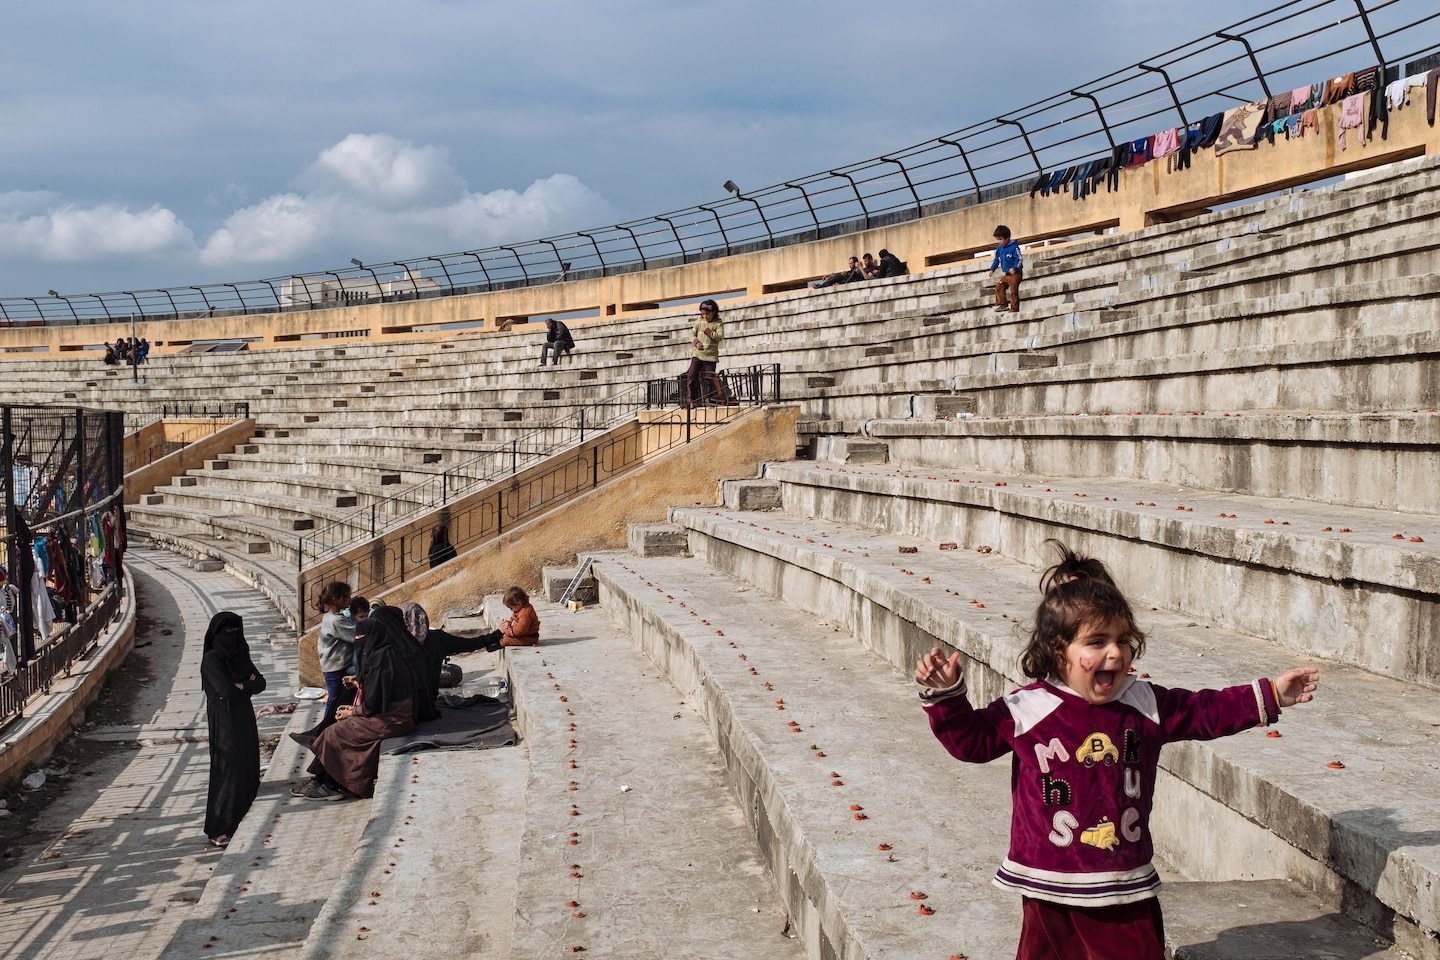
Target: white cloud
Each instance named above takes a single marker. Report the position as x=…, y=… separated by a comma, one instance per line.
x=385, y=172
x=36, y=225
x=277, y=228
x=381, y=197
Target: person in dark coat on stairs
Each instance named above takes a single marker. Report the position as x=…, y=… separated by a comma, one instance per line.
x=230, y=678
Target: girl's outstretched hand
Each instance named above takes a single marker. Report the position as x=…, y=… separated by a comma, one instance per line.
x=936, y=672
x=1297, y=686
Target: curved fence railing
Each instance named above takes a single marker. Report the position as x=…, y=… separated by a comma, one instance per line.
x=63, y=532
x=1293, y=43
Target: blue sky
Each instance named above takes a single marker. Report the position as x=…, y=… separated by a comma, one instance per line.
x=161, y=142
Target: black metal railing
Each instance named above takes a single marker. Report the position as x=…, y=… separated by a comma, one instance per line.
x=173, y=443
x=394, y=559
x=63, y=490
x=1295, y=42
x=758, y=384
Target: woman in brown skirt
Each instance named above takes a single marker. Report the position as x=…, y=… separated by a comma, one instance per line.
x=391, y=685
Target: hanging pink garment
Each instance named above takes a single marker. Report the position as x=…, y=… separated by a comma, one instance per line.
x=1166, y=143
x=1299, y=99
x=1352, y=117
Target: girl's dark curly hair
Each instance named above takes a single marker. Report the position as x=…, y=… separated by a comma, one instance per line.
x=1078, y=590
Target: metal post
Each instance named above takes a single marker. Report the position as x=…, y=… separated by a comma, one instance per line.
x=210, y=309
x=244, y=309
x=688, y=407
x=448, y=282
x=763, y=219
x=444, y=487
x=372, y=520
x=808, y=206
x=499, y=512
x=1095, y=102
x=174, y=310
x=1028, y=145
x=853, y=186
x=519, y=261
x=134, y=340
x=4, y=314
x=73, y=315
x=1259, y=75
x=678, y=241
x=582, y=424
x=644, y=264
x=1175, y=98
x=514, y=457
x=375, y=279
x=598, y=255
x=36, y=304
x=595, y=466
x=1374, y=43
x=103, y=306
x=481, y=264
x=274, y=294
x=725, y=238
x=556, y=250
x=908, y=182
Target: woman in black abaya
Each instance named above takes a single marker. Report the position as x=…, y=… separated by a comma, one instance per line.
x=229, y=679
x=390, y=703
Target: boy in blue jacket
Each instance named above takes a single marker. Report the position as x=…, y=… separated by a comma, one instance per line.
x=1012, y=269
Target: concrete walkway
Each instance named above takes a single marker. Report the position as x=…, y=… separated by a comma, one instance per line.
x=131, y=858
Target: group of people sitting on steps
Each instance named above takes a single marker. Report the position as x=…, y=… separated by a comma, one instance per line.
x=382, y=668
x=866, y=268
x=129, y=351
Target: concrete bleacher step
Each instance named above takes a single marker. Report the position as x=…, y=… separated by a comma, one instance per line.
x=435, y=864
x=661, y=865
x=815, y=727
x=1260, y=564
x=276, y=874
x=1355, y=838
x=1327, y=458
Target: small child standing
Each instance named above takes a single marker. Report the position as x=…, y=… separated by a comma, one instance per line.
x=1086, y=738
x=1012, y=270
x=336, y=647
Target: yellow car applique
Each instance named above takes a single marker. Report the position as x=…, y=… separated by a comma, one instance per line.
x=1097, y=748
x=1101, y=835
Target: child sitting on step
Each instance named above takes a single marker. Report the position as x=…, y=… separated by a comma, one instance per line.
x=1086, y=738
x=520, y=630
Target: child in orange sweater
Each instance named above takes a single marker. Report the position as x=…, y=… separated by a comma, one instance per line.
x=520, y=630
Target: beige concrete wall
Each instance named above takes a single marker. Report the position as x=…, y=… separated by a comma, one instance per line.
x=1147, y=194
x=145, y=479
x=598, y=520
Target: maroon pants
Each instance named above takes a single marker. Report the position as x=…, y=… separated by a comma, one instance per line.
x=1053, y=931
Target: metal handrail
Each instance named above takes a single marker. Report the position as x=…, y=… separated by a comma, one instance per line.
x=1277, y=48
x=394, y=559
x=368, y=522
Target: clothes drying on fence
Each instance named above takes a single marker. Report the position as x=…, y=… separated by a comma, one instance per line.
x=1239, y=126
x=41, y=608
x=1352, y=117
x=1378, y=108
x=1338, y=89
x=1432, y=80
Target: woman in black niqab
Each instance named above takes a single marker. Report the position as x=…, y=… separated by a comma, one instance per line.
x=392, y=685
x=229, y=679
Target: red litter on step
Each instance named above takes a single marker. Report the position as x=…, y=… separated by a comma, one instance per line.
x=1273, y=734
x=1335, y=765
x=925, y=910
x=918, y=895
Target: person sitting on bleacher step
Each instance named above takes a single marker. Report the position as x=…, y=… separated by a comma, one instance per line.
x=557, y=341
